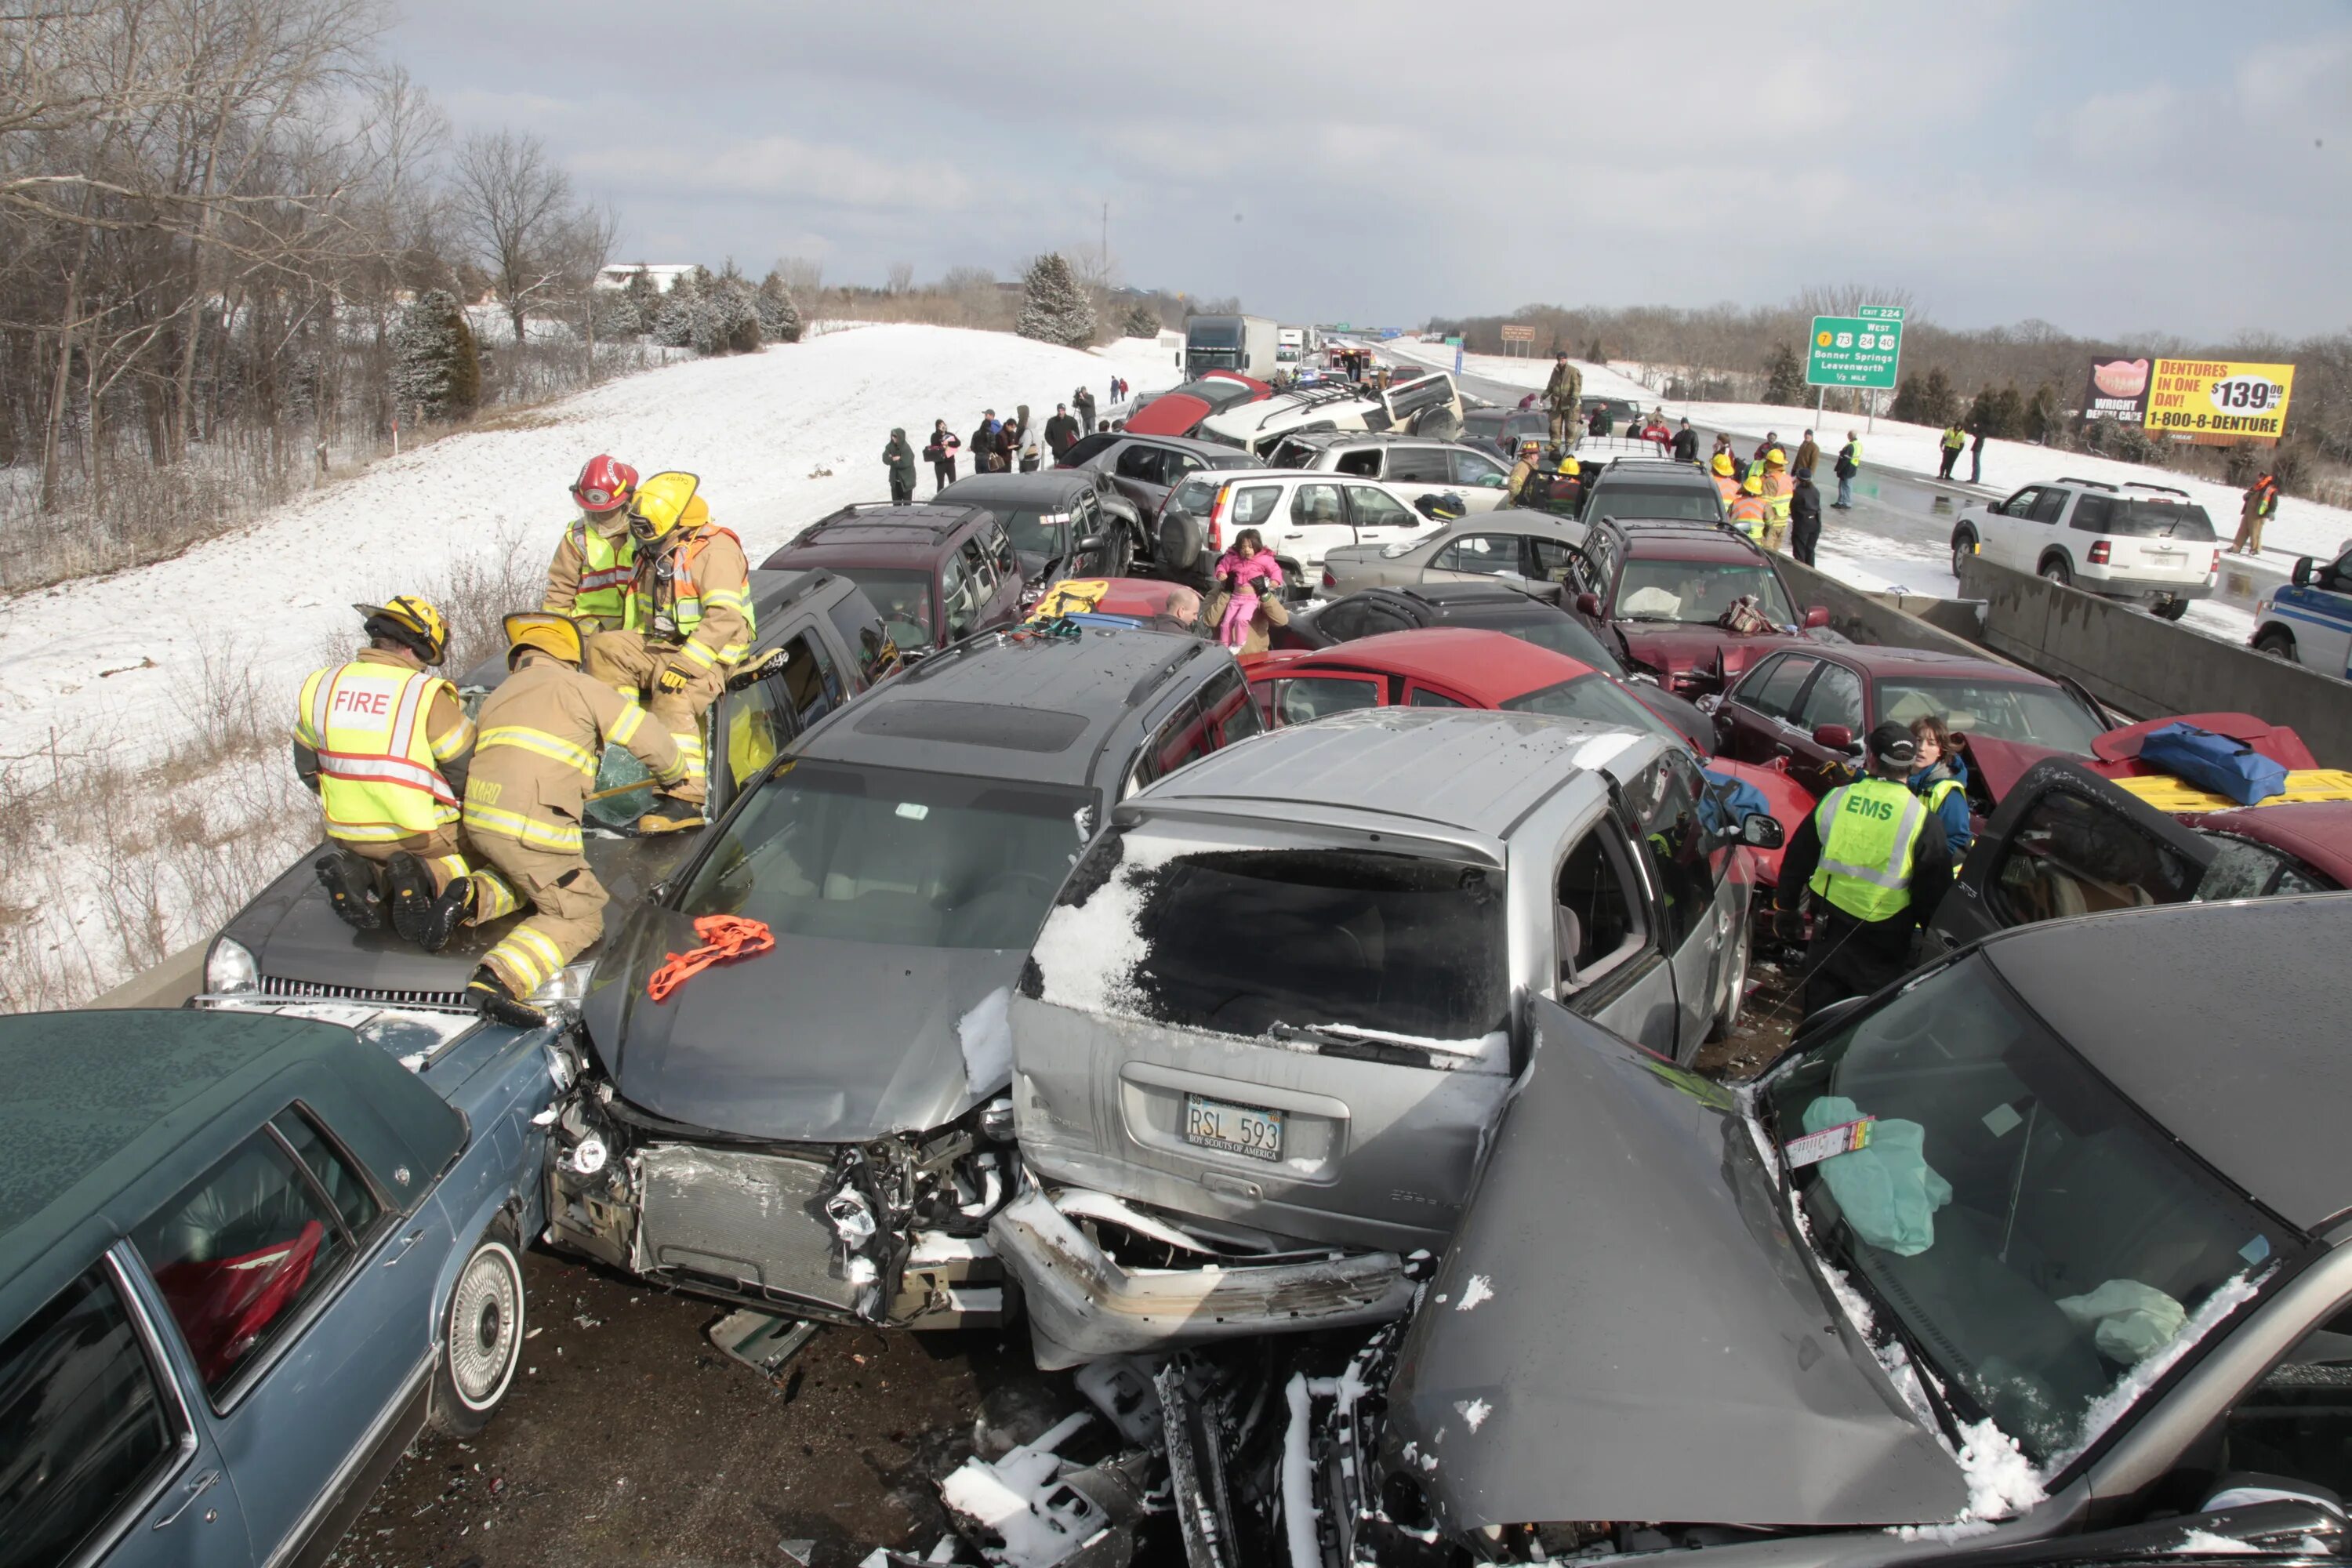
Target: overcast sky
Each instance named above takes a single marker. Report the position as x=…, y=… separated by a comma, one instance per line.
x=2185, y=168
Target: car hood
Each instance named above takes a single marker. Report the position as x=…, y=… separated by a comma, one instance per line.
x=303, y=948
x=814, y=1041
x=1660, y=1348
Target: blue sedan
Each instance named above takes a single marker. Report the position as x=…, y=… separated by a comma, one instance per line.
x=243, y=1257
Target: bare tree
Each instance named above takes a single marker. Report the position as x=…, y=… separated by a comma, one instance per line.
x=801, y=274
x=902, y=277
x=514, y=208
x=594, y=231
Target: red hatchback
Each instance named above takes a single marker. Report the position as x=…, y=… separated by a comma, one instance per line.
x=1457, y=666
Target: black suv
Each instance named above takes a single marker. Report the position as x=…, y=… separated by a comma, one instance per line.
x=1064, y=522
x=1146, y=469
x=825, y=1128
x=820, y=643
x=937, y=573
x=1634, y=490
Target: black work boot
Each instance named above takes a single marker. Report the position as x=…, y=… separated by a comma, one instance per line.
x=411, y=887
x=445, y=914
x=492, y=1000
x=350, y=881
x=671, y=815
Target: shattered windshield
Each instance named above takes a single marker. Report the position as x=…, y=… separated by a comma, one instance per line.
x=890, y=856
x=2014, y=1223
x=1698, y=592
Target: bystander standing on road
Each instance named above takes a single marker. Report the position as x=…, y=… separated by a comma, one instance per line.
x=2260, y=505
x=1804, y=519
x=1808, y=457
x=1954, y=439
x=1686, y=443
x=1061, y=432
x=1976, y=455
x=943, y=454
x=1849, y=463
x=900, y=458
x=1082, y=404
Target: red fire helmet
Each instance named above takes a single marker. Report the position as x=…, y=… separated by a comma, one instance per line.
x=605, y=483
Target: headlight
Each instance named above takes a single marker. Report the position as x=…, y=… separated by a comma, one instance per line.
x=229, y=967
x=1390, y=552
x=567, y=984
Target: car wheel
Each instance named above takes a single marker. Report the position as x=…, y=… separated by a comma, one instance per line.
x=1964, y=545
x=1120, y=555
x=2055, y=570
x=481, y=1341
x=1180, y=542
x=2169, y=609
x=1726, y=1016
x=2276, y=641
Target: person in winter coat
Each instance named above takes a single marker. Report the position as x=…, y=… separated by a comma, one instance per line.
x=1976, y=457
x=1655, y=431
x=1061, y=432
x=986, y=458
x=1849, y=463
x=1243, y=572
x=1941, y=778
x=1954, y=439
x=1686, y=443
x=1082, y=404
x=1808, y=457
x=900, y=458
x=1029, y=457
x=1601, y=424
x=942, y=452
x=1563, y=393
x=1016, y=433
x=2260, y=506
x=1804, y=519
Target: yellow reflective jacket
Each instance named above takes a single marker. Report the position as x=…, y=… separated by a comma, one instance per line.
x=543, y=733
x=381, y=731
x=589, y=577
x=1870, y=831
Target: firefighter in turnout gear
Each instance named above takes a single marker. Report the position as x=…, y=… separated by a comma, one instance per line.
x=1747, y=508
x=1727, y=483
x=1876, y=862
x=589, y=578
x=385, y=747
x=543, y=731
x=686, y=625
x=1778, y=487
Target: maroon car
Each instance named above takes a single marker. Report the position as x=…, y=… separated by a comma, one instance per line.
x=1689, y=604
x=1811, y=702
x=938, y=573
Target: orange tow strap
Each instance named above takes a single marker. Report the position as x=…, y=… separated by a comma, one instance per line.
x=724, y=937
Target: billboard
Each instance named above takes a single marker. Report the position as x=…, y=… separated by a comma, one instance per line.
x=2214, y=403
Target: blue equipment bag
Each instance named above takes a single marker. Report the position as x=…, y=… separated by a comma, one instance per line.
x=2214, y=763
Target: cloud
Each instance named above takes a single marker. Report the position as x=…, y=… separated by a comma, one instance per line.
x=786, y=168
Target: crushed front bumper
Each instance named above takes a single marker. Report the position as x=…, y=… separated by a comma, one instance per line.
x=1084, y=1304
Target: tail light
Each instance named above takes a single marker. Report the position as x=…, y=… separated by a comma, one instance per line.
x=2210, y=570
x=1329, y=581
x=2099, y=552
x=1217, y=518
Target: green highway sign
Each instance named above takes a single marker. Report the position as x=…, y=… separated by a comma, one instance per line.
x=1856, y=350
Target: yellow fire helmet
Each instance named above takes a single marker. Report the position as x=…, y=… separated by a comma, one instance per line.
x=411, y=620
x=1753, y=484
x=1571, y=466
x=1723, y=464
x=663, y=503
x=1776, y=459
x=558, y=635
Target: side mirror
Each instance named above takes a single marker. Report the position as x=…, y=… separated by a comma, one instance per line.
x=2306, y=568
x=1589, y=606
x=1758, y=831
x=1994, y=507
x=1091, y=542
x=1816, y=618
x=1833, y=737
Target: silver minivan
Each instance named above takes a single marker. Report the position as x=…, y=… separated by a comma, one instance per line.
x=1264, y=1032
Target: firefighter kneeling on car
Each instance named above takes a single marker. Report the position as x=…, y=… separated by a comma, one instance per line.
x=687, y=624
x=1876, y=862
x=543, y=731
x=383, y=745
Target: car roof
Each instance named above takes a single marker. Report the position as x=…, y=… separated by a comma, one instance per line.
x=1321, y=439
x=878, y=533
x=1878, y=659
x=1491, y=666
x=1046, y=484
x=1703, y=543
x=2261, y=1097
x=1472, y=770
x=1468, y=596
x=1650, y=471
x=1021, y=707
x=1219, y=449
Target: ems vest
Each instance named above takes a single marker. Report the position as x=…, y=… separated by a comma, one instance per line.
x=606, y=568
x=378, y=779
x=1727, y=486
x=1870, y=830
x=668, y=602
x=1748, y=514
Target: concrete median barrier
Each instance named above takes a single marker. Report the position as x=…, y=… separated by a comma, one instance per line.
x=1885, y=620
x=2146, y=666
x=165, y=984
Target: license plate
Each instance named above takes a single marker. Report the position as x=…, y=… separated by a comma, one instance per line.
x=1241, y=1129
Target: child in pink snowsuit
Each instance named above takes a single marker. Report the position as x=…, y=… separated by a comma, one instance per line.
x=1248, y=563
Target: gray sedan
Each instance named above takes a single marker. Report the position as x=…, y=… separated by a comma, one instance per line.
x=1511, y=545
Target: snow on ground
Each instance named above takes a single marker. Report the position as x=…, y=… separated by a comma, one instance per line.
x=111, y=667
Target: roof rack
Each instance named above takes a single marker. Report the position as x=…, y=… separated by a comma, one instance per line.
x=2160, y=490
x=1313, y=397
x=2093, y=484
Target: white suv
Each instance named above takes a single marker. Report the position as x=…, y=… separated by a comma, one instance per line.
x=1411, y=466
x=1417, y=403
x=1300, y=514
x=2143, y=543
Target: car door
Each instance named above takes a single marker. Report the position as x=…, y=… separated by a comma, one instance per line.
x=2066, y=842
x=1835, y=698
x=1379, y=518
x=305, y=1312
x=1301, y=699
x=1139, y=470
x=104, y=1454
x=1607, y=963
x=1478, y=480
x=1473, y=556
x=1315, y=520
x=1417, y=471
x=1754, y=722
x=2001, y=528
x=1698, y=915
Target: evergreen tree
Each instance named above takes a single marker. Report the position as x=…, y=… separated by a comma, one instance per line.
x=673, y=325
x=1941, y=403
x=2006, y=417
x=780, y=314
x=1784, y=378
x=644, y=297
x=1142, y=321
x=1979, y=415
x=1056, y=311
x=725, y=323
x=2042, y=415
x=1907, y=401
x=435, y=369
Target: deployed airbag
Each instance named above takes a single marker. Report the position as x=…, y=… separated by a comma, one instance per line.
x=1886, y=1190
x=2129, y=1320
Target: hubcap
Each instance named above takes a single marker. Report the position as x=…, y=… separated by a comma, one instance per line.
x=484, y=1316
